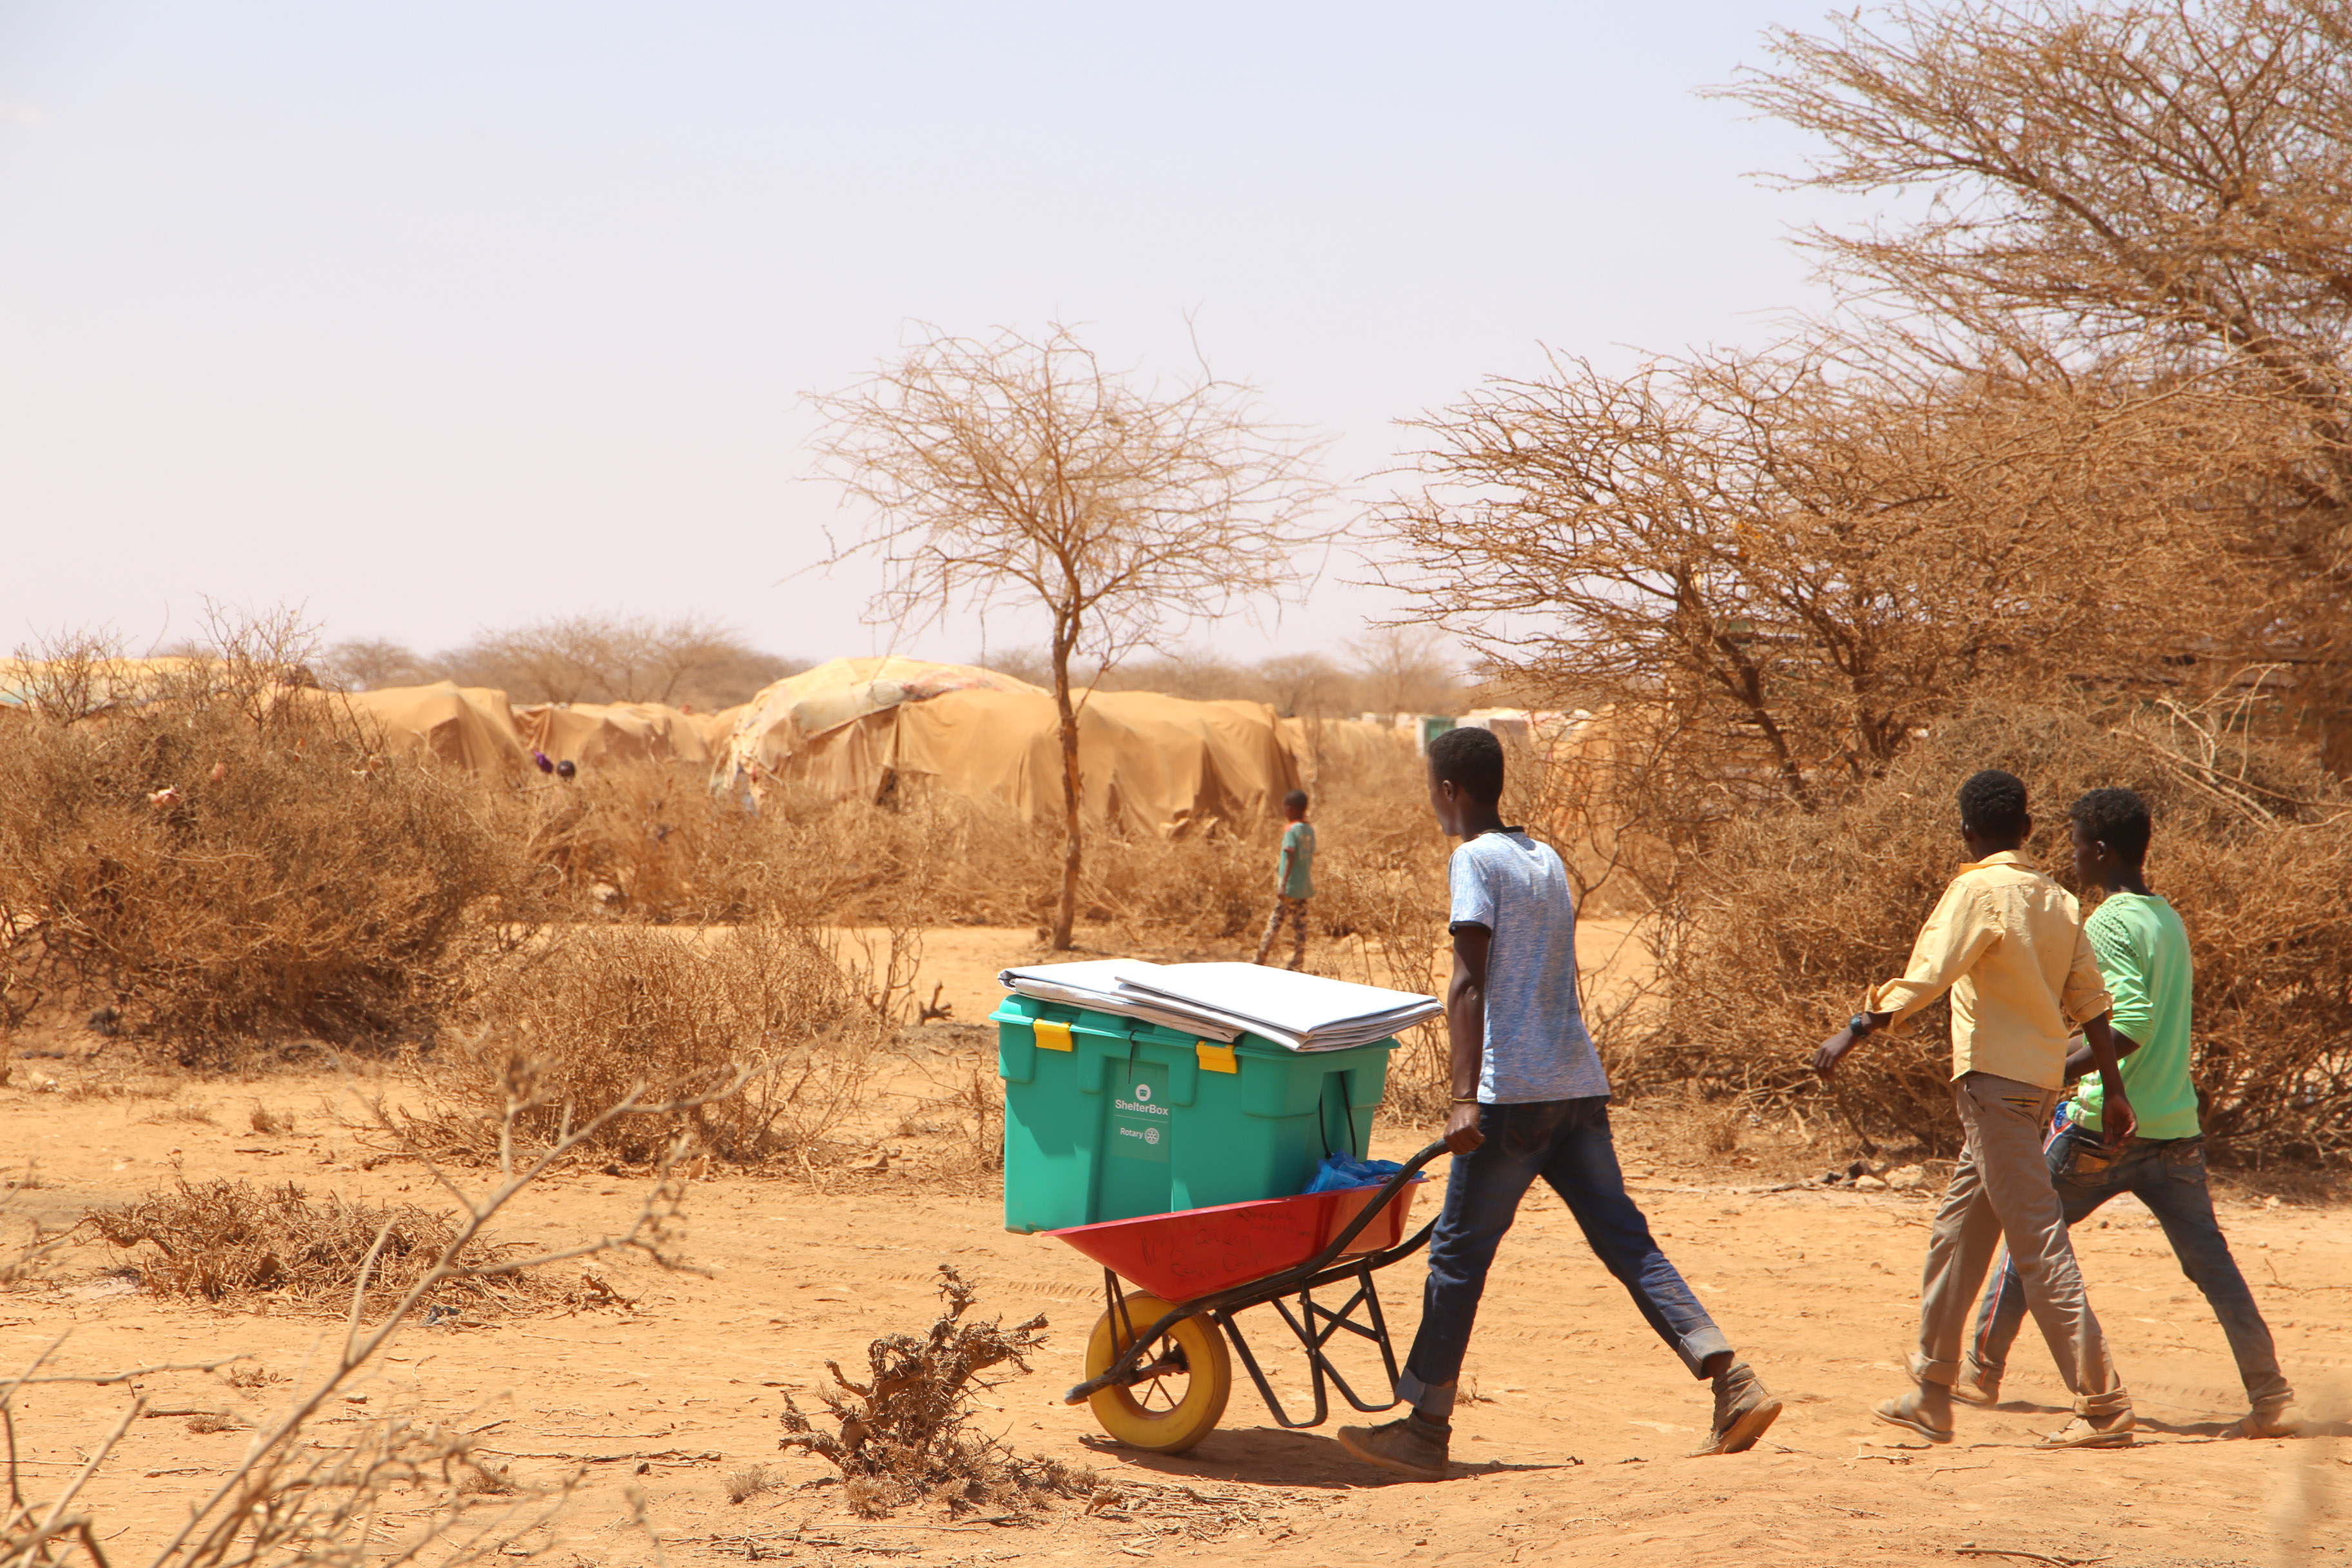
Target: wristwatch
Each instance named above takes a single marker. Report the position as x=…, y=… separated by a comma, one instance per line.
x=1860, y=1025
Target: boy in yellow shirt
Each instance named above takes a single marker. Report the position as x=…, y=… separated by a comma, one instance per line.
x=2007, y=944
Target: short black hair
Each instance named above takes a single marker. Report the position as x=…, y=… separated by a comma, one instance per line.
x=1295, y=801
x=2117, y=818
x=1471, y=759
x=1993, y=803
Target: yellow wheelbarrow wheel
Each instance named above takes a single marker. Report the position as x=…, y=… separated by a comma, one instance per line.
x=1188, y=1375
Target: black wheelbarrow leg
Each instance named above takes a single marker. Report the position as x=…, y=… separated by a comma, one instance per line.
x=1369, y=1295
x=1315, y=1325
x=1265, y=1389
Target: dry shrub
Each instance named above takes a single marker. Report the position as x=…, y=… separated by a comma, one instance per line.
x=1788, y=916
x=232, y=860
x=749, y=1482
x=575, y=1029
x=904, y=1436
x=227, y=1241
x=311, y=1488
x=1213, y=884
x=651, y=841
x=970, y=1119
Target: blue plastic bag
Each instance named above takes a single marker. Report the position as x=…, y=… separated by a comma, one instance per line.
x=1338, y=1171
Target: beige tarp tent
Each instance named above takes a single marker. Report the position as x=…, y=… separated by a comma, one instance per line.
x=776, y=734
x=1345, y=748
x=93, y=686
x=469, y=727
x=598, y=734
x=1147, y=762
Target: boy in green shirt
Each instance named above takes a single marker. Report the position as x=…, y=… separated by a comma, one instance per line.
x=2143, y=954
x=1293, y=885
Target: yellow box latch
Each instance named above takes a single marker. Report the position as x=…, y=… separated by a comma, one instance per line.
x=1050, y=1035
x=1215, y=1059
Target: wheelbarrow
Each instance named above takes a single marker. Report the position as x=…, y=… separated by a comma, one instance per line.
x=1158, y=1371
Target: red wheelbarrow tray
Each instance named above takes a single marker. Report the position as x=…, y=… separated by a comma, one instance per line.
x=1193, y=1252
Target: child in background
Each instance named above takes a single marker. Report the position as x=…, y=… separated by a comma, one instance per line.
x=2143, y=952
x=1293, y=884
x=2008, y=943
x=1530, y=1099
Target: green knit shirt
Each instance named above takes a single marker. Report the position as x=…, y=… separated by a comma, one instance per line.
x=2143, y=952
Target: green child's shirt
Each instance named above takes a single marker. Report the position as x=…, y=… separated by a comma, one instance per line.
x=1297, y=860
x=2143, y=952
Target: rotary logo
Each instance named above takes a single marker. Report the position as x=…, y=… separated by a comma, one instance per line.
x=1151, y=1135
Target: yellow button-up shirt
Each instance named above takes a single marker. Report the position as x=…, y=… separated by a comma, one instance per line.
x=2008, y=945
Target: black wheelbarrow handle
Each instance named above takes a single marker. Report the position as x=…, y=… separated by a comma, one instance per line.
x=1256, y=1291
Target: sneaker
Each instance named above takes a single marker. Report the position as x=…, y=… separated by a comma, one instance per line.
x=1977, y=1386
x=2115, y=1432
x=2271, y=1421
x=1410, y=1446
x=1744, y=1408
x=1916, y=1412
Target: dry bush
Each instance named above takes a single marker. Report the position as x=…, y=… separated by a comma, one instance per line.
x=904, y=1437
x=970, y=1118
x=231, y=861
x=605, y=1014
x=649, y=841
x=2120, y=181
x=749, y=1482
x=1788, y=916
x=304, y=1494
x=228, y=1241
x=1214, y=884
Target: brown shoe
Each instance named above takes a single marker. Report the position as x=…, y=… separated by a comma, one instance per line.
x=1977, y=1387
x=2115, y=1432
x=1916, y=1412
x=1744, y=1408
x=2273, y=1421
x=1410, y=1446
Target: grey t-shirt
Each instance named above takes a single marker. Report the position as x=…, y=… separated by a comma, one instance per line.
x=1536, y=1044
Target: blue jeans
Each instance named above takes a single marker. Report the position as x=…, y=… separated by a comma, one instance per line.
x=2168, y=1176
x=1566, y=1142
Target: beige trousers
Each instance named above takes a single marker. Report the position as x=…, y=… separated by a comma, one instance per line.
x=2000, y=1191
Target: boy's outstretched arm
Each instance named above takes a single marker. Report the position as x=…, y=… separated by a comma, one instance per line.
x=1465, y=1033
x=1959, y=930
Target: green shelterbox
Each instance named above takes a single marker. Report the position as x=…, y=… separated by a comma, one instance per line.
x=1108, y=1117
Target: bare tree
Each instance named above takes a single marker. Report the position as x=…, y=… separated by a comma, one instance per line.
x=1302, y=685
x=1403, y=668
x=2169, y=179
x=1020, y=469
x=619, y=658
x=1801, y=557
x=372, y=664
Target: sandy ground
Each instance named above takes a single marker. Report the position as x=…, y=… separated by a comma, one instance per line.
x=1572, y=1452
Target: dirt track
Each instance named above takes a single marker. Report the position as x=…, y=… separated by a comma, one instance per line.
x=1570, y=1452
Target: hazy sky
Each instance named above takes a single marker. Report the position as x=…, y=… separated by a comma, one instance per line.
x=434, y=316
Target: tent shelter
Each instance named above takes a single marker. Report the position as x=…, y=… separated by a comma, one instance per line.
x=465, y=726
x=597, y=734
x=879, y=728
x=82, y=686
